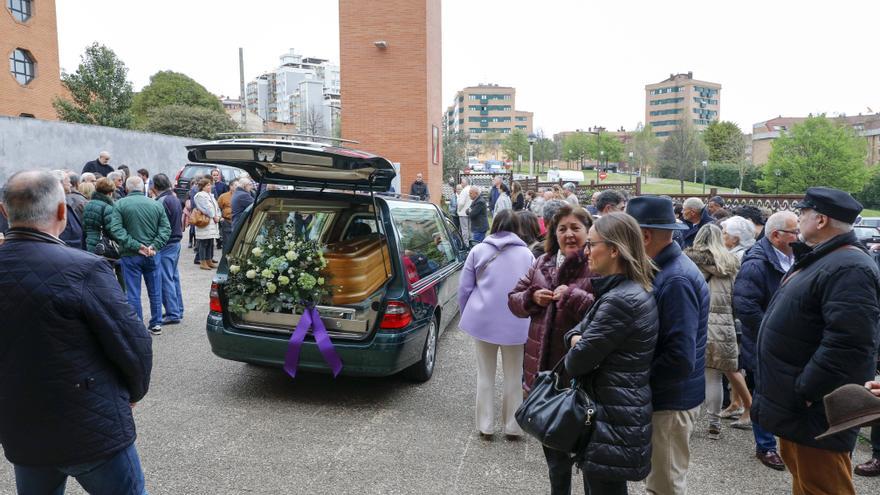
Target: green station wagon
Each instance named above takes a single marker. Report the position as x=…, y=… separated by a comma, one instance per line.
x=396, y=261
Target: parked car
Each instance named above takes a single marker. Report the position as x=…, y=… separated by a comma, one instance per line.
x=494, y=166
x=190, y=170
x=395, y=262
x=867, y=235
x=870, y=221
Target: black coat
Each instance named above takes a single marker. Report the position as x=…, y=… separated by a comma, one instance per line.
x=820, y=332
x=420, y=190
x=613, y=362
x=241, y=200
x=96, y=167
x=73, y=354
x=755, y=284
x=691, y=234
x=478, y=215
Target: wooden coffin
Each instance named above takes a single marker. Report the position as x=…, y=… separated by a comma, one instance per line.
x=357, y=268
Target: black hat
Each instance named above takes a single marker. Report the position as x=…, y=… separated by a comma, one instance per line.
x=850, y=406
x=653, y=212
x=832, y=202
x=718, y=200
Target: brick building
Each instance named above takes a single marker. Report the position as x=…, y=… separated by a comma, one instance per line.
x=29, y=40
x=390, y=63
x=679, y=99
x=764, y=133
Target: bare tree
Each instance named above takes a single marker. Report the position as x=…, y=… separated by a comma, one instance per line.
x=682, y=153
x=313, y=122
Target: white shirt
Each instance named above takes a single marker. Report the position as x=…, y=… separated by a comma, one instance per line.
x=784, y=260
x=464, y=201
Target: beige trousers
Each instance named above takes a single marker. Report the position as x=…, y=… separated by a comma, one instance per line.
x=671, y=452
x=512, y=396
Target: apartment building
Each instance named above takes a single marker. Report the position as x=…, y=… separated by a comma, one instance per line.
x=679, y=99
x=487, y=111
x=29, y=39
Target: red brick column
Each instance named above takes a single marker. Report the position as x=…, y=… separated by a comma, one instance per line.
x=391, y=96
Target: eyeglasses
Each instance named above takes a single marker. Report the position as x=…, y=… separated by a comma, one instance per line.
x=793, y=232
x=589, y=244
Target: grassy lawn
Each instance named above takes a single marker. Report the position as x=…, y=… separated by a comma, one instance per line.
x=870, y=213
x=654, y=185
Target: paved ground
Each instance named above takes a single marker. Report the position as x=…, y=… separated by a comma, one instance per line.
x=210, y=426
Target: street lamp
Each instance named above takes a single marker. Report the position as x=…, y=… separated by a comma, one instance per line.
x=778, y=174
x=601, y=157
x=532, y=139
x=629, y=169
x=705, y=166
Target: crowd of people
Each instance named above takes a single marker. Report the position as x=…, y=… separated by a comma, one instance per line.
x=660, y=310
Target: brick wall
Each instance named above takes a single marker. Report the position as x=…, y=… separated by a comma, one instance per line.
x=39, y=36
x=392, y=96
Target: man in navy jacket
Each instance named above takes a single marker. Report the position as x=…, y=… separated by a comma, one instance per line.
x=678, y=382
x=75, y=356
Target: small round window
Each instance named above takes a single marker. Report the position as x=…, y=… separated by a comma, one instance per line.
x=21, y=9
x=22, y=66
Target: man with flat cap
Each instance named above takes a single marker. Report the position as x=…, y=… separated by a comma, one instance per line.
x=819, y=332
x=678, y=380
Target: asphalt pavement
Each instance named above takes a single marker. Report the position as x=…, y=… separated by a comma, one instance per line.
x=211, y=426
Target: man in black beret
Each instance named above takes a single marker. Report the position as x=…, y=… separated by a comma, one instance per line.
x=819, y=332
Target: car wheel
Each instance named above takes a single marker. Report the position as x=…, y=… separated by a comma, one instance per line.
x=424, y=369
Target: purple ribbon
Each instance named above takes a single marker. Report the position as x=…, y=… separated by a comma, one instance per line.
x=310, y=319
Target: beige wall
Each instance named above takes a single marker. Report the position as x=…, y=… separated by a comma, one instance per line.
x=39, y=36
x=686, y=105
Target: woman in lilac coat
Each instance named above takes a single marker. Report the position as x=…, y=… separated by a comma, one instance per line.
x=491, y=271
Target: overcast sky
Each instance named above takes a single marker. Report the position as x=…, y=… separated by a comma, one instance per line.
x=575, y=63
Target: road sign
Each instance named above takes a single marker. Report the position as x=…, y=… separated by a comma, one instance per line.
x=603, y=176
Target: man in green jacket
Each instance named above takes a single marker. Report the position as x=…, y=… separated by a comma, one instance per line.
x=146, y=230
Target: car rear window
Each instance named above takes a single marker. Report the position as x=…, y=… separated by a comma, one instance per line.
x=191, y=171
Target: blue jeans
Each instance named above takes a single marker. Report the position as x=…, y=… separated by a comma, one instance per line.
x=764, y=440
x=120, y=474
x=875, y=442
x=478, y=236
x=135, y=267
x=172, y=297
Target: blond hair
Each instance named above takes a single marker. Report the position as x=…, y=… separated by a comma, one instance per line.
x=709, y=239
x=622, y=231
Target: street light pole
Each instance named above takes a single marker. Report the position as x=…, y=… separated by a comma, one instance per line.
x=532, y=139
x=777, y=173
x=629, y=170
x=705, y=166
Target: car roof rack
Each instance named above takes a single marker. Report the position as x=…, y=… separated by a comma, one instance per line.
x=284, y=135
x=398, y=195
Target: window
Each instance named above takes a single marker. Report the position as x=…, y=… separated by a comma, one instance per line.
x=667, y=101
x=522, y=119
x=22, y=66
x=670, y=111
x=422, y=238
x=672, y=89
x=662, y=133
x=659, y=123
x=21, y=9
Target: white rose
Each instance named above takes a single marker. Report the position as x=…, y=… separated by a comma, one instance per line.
x=251, y=274
x=234, y=269
x=257, y=251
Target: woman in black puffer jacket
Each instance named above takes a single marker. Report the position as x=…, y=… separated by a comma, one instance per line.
x=611, y=352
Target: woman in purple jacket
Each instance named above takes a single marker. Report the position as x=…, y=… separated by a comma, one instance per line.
x=490, y=273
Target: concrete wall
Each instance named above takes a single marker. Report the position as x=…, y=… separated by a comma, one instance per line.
x=42, y=144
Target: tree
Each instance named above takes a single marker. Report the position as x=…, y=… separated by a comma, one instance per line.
x=816, y=152
x=682, y=153
x=724, y=141
x=576, y=147
x=100, y=90
x=313, y=122
x=490, y=144
x=454, y=152
x=516, y=144
x=171, y=88
x=605, y=147
x=545, y=151
x=644, y=147
x=194, y=122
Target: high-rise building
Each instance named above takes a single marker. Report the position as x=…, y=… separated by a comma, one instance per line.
x=680, y=99
x=29, y=39
x=278, y=95
x=487, y=111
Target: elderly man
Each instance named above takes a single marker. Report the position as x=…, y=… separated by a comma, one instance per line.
x=172, y=295
x=762, y=269
x=461, y=208
x=678, y=382
x=147, y=230
x=819, y=332
x=118, y=178
x=568, y=190
x=75, y=198
x=695, y=215
x=75, y=357
x=242, y=198
x=73, y=234
x=592, y=206
x=478, y=215
x=715, y=203
x=88, y=177
x=610, y=201
x=100, y=165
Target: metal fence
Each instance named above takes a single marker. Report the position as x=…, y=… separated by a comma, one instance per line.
x=772, y=202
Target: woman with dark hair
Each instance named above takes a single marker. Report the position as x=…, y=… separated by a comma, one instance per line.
x=503, y=201
x=611, y=353
x=555, y=294
x=205, y=236
x=530, y=231
x=517, y=197
x=490, y=272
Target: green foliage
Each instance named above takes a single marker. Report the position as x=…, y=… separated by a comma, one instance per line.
x=171, y=88
x=724, y=141
x=870, y=195
x=681, y=154
x=100, y=90
x=607, y=143
x=545, y=150
x=644, y=146
x=516, y=144
x=727, y=175
x=194, y=122
x=576, y=147
x=454, y=153
x=816, y=152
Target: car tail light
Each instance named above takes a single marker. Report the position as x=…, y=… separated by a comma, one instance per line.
x=177, y=177
x=397, y=316
x=216, y=306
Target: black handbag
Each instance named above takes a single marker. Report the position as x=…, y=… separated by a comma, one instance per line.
x=560, y=418
x=106, y=247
